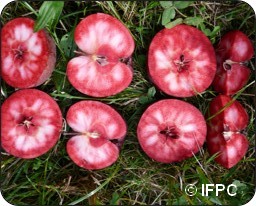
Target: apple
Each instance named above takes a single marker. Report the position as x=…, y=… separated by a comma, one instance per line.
x=99, y=132
x=225, y=136
x=171, y=130
x=181, y=61
x=31, y=123
x=233, y=52
x=103, y=67
x=27, y=57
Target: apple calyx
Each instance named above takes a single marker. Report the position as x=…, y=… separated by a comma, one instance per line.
x=182, y=63
x=26, y=122
x=170, y=132
x=19, y=52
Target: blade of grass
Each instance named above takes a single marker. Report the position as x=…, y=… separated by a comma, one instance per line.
x=97, y=189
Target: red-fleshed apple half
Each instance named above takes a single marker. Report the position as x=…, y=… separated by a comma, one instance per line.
x=27, y=57
x=181, y=61
x=104, y=65
x=31, y=123
x=99, y=132
x=233, y=52
x=225, y=134
x=171, y=130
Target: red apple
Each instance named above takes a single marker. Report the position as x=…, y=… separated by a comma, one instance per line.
x=31, y=123
x=99, y=134
x=226, y=130
x=171, y=130
x=104, y=65
x=233, y=51
x=27, y=57
x=181, y=61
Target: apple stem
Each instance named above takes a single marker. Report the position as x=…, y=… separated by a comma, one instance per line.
x=88, y=134
x=80, y=53
x=227, y=65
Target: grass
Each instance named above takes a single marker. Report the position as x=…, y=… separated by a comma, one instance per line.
x=53, y=179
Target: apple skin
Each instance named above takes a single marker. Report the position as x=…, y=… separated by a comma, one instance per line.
x=181, y=61
x=225, y=131
x=232, y=52
x=99, y=133
x=171, y=130
x=27, y=58
x=31, y=123
x=104, y=65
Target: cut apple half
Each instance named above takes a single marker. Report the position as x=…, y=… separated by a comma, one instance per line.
x=99, y=132
x=233, y=52
x=103, y=67
x=31, y=123
x=27, y=57
x=226, y=131
x=171, y=130
x=181, y=61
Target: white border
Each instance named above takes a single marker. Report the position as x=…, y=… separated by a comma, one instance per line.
x=252, y=3
x=3, y=3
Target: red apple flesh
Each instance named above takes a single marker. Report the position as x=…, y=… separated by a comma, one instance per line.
x=232, y=52
x=181, y=61
x=171, y=130
x=104, y=65
x=27, y=57
x=31, y=123
x=225, y=134
x=99, y=132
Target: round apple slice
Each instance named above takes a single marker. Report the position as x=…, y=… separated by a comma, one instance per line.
x=225, y=134
x=27, y=57
x=181, y=61
x=104, y=65
x=171, y=130
x=99, y=134
x=31, y=123
x=233, y=51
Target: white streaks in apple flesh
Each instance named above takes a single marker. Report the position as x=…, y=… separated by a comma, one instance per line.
x=226, y=131
x=27, y=57
x=176, y=132
x=98, y=134
x=32, y=123
x=104, y=65
x=29, y=45
x=181, y=61
x=100, y=34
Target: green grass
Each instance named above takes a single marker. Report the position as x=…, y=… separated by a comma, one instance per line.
x=53, y=179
